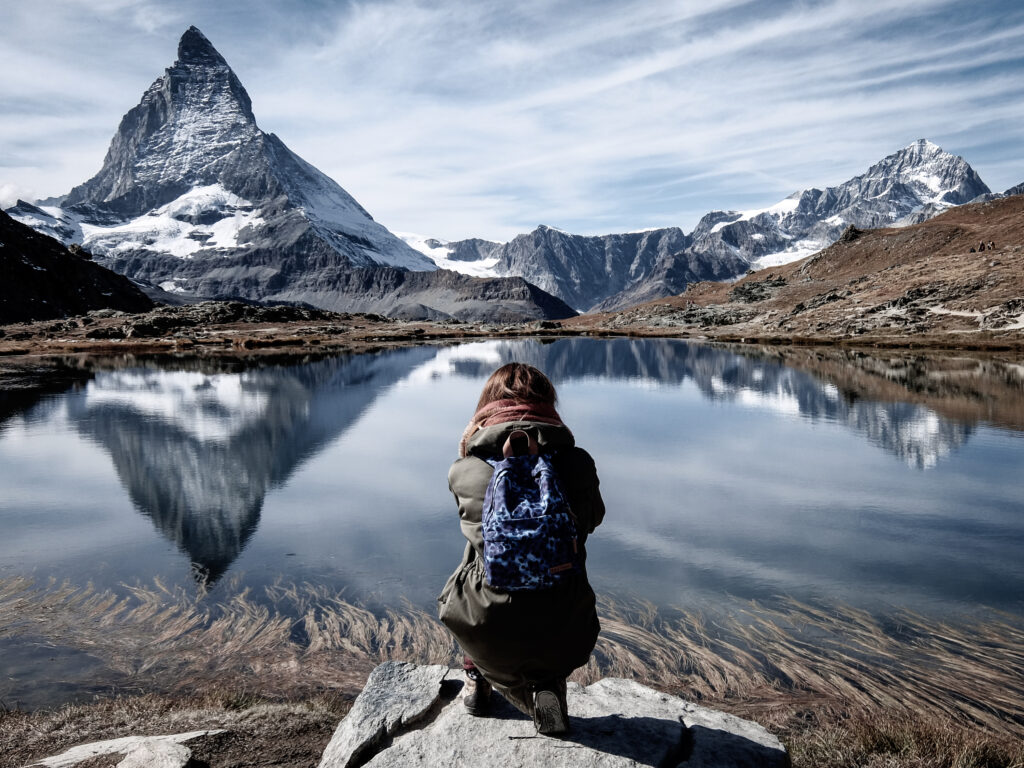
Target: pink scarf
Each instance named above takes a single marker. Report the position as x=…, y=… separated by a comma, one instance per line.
x=504, y=411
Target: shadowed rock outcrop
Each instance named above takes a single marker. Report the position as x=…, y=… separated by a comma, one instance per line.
x=40, y=279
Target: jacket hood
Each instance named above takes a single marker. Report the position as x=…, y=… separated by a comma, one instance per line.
x=490, y=440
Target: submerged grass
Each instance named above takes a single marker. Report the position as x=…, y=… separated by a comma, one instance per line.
x=842, y=659
x=843, y=687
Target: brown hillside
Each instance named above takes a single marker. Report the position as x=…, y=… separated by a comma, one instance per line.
x=913, y=281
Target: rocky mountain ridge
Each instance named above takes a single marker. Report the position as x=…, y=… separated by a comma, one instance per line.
x=194, y=198
x=610, y=272
x=919, y=176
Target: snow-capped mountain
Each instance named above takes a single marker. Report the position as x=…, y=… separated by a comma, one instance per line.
x=194, y=198
x=189, y=175
x=609, y=272
x=920, y=178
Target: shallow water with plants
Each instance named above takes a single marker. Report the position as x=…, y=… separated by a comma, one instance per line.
x=829, y=522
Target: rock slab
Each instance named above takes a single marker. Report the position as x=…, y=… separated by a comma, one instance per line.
x=397, y=695
x=139, y=751
x=614, y=723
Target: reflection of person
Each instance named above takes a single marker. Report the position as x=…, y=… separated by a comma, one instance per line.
x=524, y=643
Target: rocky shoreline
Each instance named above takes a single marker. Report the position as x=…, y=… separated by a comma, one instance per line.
x=234, y=331
x=232, y=728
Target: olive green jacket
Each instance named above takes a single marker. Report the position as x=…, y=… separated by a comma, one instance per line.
x=522, y=638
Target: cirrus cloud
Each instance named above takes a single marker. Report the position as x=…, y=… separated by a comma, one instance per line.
x=460, y=119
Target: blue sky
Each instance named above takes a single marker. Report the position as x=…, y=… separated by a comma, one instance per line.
x=462, y=119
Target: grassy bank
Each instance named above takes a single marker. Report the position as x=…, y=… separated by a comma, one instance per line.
x=841, y=687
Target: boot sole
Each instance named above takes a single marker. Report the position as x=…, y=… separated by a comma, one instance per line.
x=547, y=713
x=477, y=709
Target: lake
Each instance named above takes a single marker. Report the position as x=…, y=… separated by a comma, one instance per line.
x=729, y=475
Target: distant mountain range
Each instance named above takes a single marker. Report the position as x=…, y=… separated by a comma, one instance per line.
x=609, y=272
x=194, y=199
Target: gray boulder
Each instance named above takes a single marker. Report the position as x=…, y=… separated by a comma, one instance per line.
x=409, y=715
x=138, y=751
x=396, y=696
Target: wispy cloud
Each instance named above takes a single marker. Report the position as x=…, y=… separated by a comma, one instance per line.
x=486, y=118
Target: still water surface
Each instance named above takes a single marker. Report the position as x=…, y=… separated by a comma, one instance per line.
x=727, y=477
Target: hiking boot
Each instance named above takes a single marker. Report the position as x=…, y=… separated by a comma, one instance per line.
x=550, y=710
x=476, y=693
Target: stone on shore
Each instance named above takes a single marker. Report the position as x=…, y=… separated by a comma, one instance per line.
x=138, y=751
x=396, y=696
x=409, y=715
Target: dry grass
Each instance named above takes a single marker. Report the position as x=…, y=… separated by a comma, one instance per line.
x=841, y=660
x=292, y=642
x=902, y=741
x=259, y=733
x=841, y=686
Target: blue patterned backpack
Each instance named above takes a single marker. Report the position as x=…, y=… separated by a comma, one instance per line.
x=530, y=536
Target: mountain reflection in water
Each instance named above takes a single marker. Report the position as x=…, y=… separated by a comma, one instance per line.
x=198, y=448
x=913, y=432
x=197, y=452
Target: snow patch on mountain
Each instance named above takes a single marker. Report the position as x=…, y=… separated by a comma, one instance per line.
x=801, y=249
x=439, y=251
x=51, y=220
x=780, y=209
x=204, y=218
x=174, y=285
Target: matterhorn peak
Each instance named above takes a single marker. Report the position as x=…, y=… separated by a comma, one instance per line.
x=191, y=182
x=195, y=48
x=200, y=68
x=191, y=128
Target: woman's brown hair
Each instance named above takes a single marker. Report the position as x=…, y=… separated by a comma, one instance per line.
x=519, y=382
